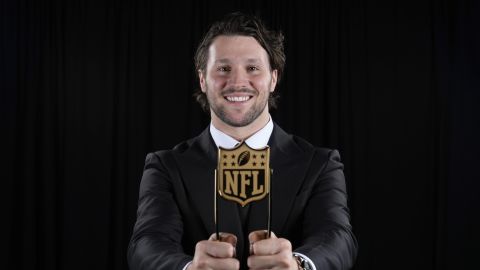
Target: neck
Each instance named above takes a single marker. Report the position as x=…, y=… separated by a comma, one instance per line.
x=241, y=133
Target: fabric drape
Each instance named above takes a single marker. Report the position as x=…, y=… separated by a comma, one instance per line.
x=87, y=88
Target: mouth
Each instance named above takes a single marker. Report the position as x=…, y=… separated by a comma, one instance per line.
x=237, y=98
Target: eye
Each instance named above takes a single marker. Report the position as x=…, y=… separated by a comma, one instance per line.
x=223, y=69
x=253, y=68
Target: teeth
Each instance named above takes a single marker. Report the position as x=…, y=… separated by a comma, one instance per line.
x=238, y=99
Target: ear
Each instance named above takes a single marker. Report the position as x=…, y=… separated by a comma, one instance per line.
x=201, y=78
x=273, y=82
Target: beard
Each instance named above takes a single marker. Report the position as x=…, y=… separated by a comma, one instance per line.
x=221, y=111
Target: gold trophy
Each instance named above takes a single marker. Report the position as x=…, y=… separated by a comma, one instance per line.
x=243, y=175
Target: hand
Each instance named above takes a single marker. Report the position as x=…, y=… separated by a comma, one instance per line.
x=270, y=253
x=214, y=254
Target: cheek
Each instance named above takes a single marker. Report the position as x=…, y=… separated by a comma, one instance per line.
x=262, y=81
x=217, y=82
x=262, y=86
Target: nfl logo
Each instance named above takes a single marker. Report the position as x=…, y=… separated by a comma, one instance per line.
x=243, y=173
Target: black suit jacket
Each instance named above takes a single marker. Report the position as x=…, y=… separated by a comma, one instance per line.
x=175, y=208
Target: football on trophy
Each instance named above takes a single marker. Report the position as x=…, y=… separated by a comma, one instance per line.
x=243, y=158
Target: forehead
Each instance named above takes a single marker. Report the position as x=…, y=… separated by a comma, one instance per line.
x=236, y=48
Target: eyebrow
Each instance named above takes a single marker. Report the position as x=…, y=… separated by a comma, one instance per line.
x=222, y=60
x=253, y=60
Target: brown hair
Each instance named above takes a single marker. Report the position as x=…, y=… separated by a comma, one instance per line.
x=244, y=25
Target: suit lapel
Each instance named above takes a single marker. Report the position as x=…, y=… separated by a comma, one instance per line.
x=197, y=165
x=289, y=164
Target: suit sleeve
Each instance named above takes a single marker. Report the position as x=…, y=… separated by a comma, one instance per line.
x=327, y=234
x=156, y=240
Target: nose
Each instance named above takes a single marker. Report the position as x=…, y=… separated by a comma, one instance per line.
x=239, y=79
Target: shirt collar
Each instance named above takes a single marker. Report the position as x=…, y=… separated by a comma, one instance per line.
x=258, y=140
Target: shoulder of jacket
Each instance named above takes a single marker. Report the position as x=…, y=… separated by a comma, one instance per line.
x=307, y=146
x=177, y=149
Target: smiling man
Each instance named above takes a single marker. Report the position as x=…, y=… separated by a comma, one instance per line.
x=237, y=81
x=239, y=63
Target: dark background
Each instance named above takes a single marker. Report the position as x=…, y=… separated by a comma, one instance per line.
x=89, y=87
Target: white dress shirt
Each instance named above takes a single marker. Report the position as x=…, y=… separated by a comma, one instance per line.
x=258, y=140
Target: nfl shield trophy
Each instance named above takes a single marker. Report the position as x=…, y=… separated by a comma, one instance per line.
x=243, y=176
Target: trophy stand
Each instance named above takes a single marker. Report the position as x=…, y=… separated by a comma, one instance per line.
x=243, y=175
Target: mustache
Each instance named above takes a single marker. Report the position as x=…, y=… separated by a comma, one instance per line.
x=243, y=90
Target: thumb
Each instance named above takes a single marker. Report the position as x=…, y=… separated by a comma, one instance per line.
x=256, y=236
x=225, y=237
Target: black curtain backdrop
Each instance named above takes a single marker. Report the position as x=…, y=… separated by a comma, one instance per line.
x=89, y=87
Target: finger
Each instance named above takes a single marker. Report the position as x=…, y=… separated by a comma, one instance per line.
x=271, y=246
x=215, y=249
x=225, y=237
x=215, y=263
x=283, y=260
x=256, y=236
x=222, y=264
x=229, y=263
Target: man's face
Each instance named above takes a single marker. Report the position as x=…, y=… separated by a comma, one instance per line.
x=237, y=80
